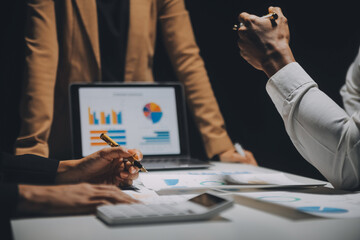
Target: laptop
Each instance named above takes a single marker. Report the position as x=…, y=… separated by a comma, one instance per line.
x=149, y=117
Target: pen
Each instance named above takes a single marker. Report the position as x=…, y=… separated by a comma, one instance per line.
x=271, y=16
x=112, y=143
x=239, y=149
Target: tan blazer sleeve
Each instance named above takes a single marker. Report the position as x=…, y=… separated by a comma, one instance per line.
x=36, y=109
x=184, y=54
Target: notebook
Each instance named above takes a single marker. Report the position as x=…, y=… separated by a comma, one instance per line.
x=149, y=117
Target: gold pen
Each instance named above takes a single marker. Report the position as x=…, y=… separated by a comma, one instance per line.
x=112, y=143
x=271, y=16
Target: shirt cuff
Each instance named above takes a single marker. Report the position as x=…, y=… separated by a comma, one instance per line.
x=28, y=169
x=283, y=84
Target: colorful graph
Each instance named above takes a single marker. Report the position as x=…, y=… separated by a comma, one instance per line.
x=212, y=183
x=118, y=136
x=279, y=199
x=318, y=209
x=159, y=137
x=105, y=119
x=153, y=112
x=171, y=182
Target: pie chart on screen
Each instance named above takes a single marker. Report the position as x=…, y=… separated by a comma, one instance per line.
x=153, y=112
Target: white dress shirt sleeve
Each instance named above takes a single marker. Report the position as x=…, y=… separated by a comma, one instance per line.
x=323, y=133
x=350, y=92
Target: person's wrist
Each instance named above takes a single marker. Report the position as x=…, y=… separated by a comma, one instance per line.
x=277, y=58
x=66, y=172
x=29, y=198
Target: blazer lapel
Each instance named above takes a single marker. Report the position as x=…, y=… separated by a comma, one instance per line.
x=88, y=14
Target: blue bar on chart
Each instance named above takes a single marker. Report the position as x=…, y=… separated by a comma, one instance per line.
x=159, y=137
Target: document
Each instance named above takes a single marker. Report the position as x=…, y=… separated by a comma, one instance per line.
x=267, y=178
x=214, y=179
x=323, y=205
x=147, y=196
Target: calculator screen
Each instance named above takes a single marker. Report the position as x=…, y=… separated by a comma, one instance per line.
x=207, y=200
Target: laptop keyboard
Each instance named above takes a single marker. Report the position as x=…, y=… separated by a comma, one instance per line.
x=165, y=163
x=169, y=160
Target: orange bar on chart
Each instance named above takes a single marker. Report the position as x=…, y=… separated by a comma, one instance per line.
x=114, y=117
x=102, y=117
x=98, y=131
x=91, y=117
x=98, y=144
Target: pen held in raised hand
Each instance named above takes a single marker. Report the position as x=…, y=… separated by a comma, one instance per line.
x=135, y=158
x=271, y=16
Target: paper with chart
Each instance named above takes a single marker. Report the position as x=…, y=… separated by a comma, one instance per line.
x=213, y=179
x=148, y=196
x=323, y=205
x=153, y=198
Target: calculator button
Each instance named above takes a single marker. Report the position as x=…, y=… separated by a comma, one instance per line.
x=175, y=210
x=161, y=210
x=131, y=212
x=147, y=211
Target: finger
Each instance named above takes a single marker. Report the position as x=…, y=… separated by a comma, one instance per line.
x=248, y=158
x=244, y=18
x=112, y=195
x=236, y=157
x=90, y=206
x=103, y=187
x=133, y=170
x=114, y=152
x=248, y=20
x=276, y=10
x=126, y=175
x=122, y=165
x=138, y=156
x=121, y=197
x=251, y=158
x=99, y=202
x=129, y=166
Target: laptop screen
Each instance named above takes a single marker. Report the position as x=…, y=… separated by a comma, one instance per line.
x=140, y=117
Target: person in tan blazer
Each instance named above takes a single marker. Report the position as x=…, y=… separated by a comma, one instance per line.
x=62, y=47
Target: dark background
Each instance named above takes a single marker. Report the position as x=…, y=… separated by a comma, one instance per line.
x=324, y=38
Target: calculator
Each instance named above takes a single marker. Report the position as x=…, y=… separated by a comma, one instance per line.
x=203, y=206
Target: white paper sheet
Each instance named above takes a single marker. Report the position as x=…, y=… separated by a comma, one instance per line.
x=324, y=205
x=212, y=179
x=267, y=178
x=151, y=197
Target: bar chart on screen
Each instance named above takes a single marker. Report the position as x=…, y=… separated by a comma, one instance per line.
x=104, y=118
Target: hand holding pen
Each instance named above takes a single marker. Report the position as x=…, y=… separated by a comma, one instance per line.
x=265, y=44
x=271, y=16
x=134, y=159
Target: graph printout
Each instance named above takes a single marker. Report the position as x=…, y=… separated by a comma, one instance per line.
x=323, y=205
x=213, y=179
x=143, y=118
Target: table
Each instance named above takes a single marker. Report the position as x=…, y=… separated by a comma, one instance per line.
x=246, y=220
